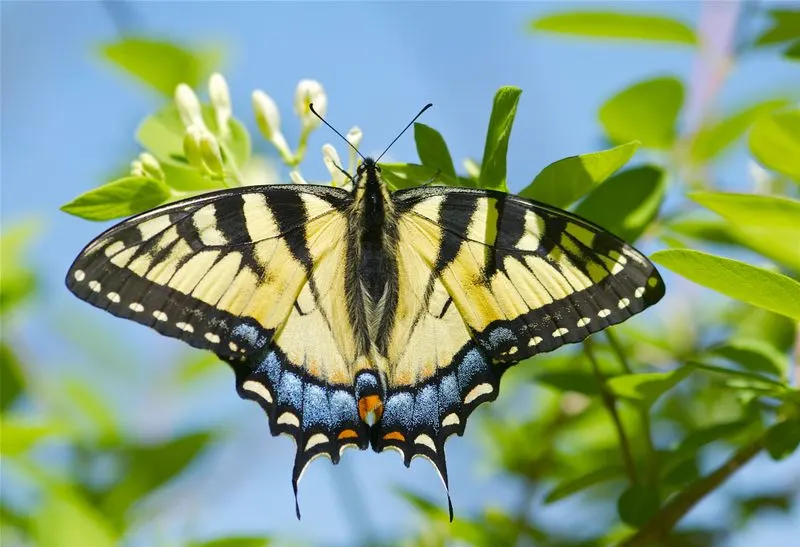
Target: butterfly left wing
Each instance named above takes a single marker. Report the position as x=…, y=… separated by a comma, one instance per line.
x=486, y=280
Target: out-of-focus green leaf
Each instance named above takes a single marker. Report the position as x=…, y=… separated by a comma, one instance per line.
x=162, y=135
x=493, y=164
x=94, y=412
x=775, y=142
x=410, y=175
x=793, y=51
x=753, y=505
x=712, y=230
x=637, y=504
x=713, y=138
x=785, y=27
x=573, y=486
x=578, y=381
x=748, y=379
x=566, y=180
x=197, y=365
x=647, y=112
x=783, y=438
x=11, y=378
x=700, y=437
x=185, y=178
x=626, y=203
x=756, y=286
x=17, y=281
x=473, y=169
x=119, y=198
x=603, y=24
x=773, y=328
x=681, y=473
x=67, y=520
x=233, y=542
x=644, y=389
x=432, y=150
x=150, y=467
x=19, y=434
x=754, y=355
x=161, y=65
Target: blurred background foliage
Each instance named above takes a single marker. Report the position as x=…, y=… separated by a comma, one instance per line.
x=628, y=432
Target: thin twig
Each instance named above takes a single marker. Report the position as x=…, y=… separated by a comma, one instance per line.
x=611, y=405
x=662, y=523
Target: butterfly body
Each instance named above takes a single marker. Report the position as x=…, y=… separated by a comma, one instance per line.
x=369, y=317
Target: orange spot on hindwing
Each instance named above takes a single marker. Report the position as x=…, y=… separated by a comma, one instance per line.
x=348, y=434
x=394, y=436
x=370, y=407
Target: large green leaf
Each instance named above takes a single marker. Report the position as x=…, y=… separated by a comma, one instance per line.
x=766, y=224
x=161, y=65
x=751, y=284
x=66, y=520
x=603, y=24
x=432, y=150
x=644, y=389
x=647, y=112
x=775, y=142
x=785, y=26
x=493, y=164
x=119, y=198
x=566, y=180
x=626, y=203
x=714, y=138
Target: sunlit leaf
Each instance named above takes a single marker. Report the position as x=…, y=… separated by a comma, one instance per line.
x=185, y=178
x=632, y=26
x=493, y=164
x=751, y=284
x=785, y=26
x=67, y=520
x=409, y=175
x=647, y=112
x=627, y=203
x=20, y=434
x=712, y=230
x=754, y=355
x=783, y=438
x=566, y=180
x=573, y=486
x=637, y=504
x=714, y=138
x=161, y=65
x=644, y=389
x=432, y=150
x=775, y=142
x=118, y=198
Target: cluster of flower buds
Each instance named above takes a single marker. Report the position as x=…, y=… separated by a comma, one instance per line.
x=200, y=145
x=146, y=165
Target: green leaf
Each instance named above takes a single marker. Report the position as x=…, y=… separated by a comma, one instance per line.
x=11, y=376
x=793, y=51
x=159, y=64
x=698, y=438
x=714, y=138
x=19, y=435
x=681, y=473
x=627, y=203
x=644, y=389
x=631, y=26
x=573, y=486
x=162, y=135
x=567, y=180
x=233, y=542
x=748, y=379
x=580, y=382
x=756, y=286
x=785, y=27
x=119, y=198
x=66, y=520
x=753, y=355
x=95, y=411
x=783, y=438
x=713, y=230
x=637, y=504
x=18, y=282
x=432, y=150
x=493, y=164
x=647, y=112
x=185, y=178
x=410, y=175
x=775, y=142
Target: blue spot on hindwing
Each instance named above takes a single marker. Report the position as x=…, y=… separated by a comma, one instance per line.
x=426, y=412
x=252, y=336
x=271, y=366
x=315, y=406
x=344, y=409
x=397, y=411
x=449, y=396
x=290, y=390
x=472, y=365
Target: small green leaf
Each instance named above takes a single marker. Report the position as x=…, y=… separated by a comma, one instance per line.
x=783, y=438
x=637, y=504
x=580, y=382
x=93, y=411
x=19, y=434
x=775, y=142
x=747, y=379
x=493, y=164
x=785, y=27
x=793, y=51
x=753, y=355
x=66, y=520
x=756, y=286
x=627, y=203
x=644, y=389
x=119, y=198
x=567, y=180
x=410, y=175
x=573, y=486
x=432, y=150
x=631, y=26
x=161, y=65
x=714, y=138
x=698, y=438
x=647, y=112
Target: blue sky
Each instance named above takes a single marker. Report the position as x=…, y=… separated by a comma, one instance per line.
x=68, y=122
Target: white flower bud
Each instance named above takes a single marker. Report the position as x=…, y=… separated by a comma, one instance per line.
x=296, y=177
x=137, y=169
x=150, y=166
x=209, y=150
x=334, y=165
x=188, y=106
x=308, y=92
x=354, y=136
x=267, y=115
x=191, y=147
x=221, y=100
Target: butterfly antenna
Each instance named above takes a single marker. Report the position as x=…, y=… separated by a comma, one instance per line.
x=311, y=107
x=424, y=108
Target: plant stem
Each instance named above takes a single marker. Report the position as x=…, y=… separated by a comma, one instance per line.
x=611, y=405
x=662, y=523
